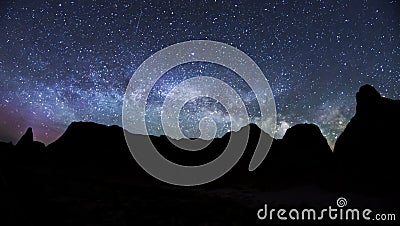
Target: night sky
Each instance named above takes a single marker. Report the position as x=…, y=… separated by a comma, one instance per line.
x=64, y=61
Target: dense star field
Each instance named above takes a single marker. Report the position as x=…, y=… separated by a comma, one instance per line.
x=64, y=61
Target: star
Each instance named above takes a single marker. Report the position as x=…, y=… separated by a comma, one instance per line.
x=72, y=61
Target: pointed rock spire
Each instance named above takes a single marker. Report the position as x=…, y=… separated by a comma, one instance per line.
x=26, y=139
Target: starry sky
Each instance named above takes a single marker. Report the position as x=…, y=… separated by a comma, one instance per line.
x=64, y=61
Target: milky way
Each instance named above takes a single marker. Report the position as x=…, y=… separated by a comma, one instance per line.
x=64, y=61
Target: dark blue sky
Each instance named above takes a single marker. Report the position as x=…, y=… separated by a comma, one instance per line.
x=64, y=61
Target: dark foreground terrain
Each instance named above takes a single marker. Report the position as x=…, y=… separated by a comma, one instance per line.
x=88, y=176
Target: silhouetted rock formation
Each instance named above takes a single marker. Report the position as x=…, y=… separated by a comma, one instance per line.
x=90, y=146
x=239, y=175
x=302, y=157
x=27, y=145
x=26, y=139
x=367, y=148
x=88, y=175
x=367, y=151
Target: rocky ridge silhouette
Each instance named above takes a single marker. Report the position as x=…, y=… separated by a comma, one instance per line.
x=91, y=162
